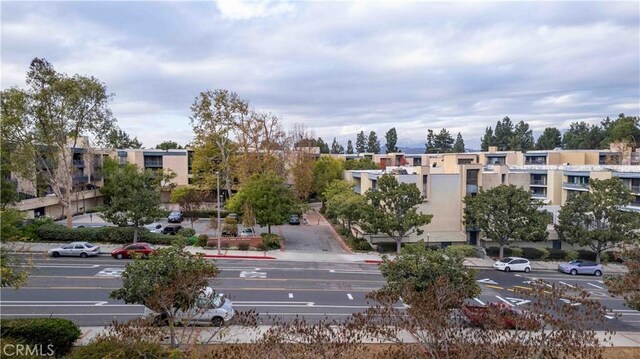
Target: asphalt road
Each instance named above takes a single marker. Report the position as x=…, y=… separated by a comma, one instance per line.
x=78, y=289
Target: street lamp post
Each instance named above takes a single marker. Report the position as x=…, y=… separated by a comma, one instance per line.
x=218, y=195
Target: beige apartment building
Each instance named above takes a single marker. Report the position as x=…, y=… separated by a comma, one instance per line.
x=445, y=179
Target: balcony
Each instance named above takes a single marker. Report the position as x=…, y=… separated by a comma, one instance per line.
x=78, y=163
x=538, y=182
x=575, y=186
x=540, y=196
x=634, y=189
x=78, y=179
x=472, y=188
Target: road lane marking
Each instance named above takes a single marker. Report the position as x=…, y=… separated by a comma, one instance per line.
x=479, y=301
x=504, y=300
x=522, y=287
x=573, y=304
x=486, y=281
x=495, y=286
x=568, y=285
x=290, y=295
x=609, y=317
x=60, y=266
x=595, y=286
x=110, y=272
x=246, y=274
x=349, y=296
x=518, y=301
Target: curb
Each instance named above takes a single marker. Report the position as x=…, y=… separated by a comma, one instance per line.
x=230, y=256
x=373, y=261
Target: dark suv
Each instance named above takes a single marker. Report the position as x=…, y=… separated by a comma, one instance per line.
x=175, y=217
x=171, y=230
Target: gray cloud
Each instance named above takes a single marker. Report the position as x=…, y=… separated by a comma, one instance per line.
x=342, y=67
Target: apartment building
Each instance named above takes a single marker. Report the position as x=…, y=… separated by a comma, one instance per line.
x=37, y=197
x=445, y=179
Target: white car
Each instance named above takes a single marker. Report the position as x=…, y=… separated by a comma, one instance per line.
x=154, y=227
x=76, y=249
x=247, y=232
x=508, y=264
x=208, y=309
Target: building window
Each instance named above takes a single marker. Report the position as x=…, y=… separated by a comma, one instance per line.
x=578, y=180
x=153, y=161
x=465, y=161
x=495, y=160
x=535, y=160
x=538, y=179
x=472, y=177
x=538, y=191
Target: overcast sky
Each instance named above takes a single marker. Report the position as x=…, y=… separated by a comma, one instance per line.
x=341, y=67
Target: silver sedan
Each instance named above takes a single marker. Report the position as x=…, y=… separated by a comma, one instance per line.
x=75, y=249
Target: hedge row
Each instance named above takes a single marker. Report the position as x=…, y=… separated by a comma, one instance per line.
x=209, y=213
x=61, y=333
x=117, y=235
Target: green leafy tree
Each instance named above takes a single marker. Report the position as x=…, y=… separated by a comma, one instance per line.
x=582, y=136
x=392, y=140
x=336, y=148
x=190, y=199
x=595, y=219
x=361, y=164
x=429, y=146
x=168, y=145
x=522, y=139
x=268, y=196
x=505, y=213
x=504, y=134
x=418, y=269
x=373, y=145
x=10, y=223
x=393, y=210
x=551, y=138
x=489, y=139
x=46, y=123
x=324, y=147
x=117, y=138
x=623, y=129
x=214, y=116
x=349, y=148
x=336, y=187
x=344, y=204
x=361, y=142
x=167, y=282
x=458, y=146
x=8, y=187
x=132, y=196
x=325, y=170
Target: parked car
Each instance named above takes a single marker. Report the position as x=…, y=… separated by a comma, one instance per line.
x=508, y=264
x=232, y=216
x=208, y=309
x=76, y=249
x=248, y=232
x=144, y=249
x=294, y=219
x=154, y=227
x=175, y=217
x=579, y=266
x=171, y=230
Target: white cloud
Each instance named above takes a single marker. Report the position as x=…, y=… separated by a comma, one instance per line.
x=245, y=10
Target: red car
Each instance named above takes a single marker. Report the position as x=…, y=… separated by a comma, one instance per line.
x=144, y=249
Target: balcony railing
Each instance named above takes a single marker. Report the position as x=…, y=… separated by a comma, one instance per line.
x=153, y=163
x=634, y=189
x=539, y=182
x=535, y=161
x=80, y=179
x=538, y=195
x=575, y=186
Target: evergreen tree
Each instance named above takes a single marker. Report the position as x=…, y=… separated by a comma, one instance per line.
x=582, y=136
x=504, y=134
x=522, y=139
x=392, y=140
x=324, y=148
x=429, y=146
x=550, y=139
x=458, y=146
x=361, y=142
x=443, y=142
x=336, y=148
x=349, y=147
x=373, y=145
x=488, y=139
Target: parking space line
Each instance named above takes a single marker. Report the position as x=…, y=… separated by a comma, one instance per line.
x=494, y=286
x=479, y=301
x=568, y=285
x=595, y=286
x=504, y=300
x=349, y=296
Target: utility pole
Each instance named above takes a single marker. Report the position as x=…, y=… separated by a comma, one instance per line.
x=218, y=195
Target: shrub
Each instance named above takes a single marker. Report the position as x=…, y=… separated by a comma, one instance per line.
x=116, y=235
x=463, y=250
x=495, y=251
x=202, y=240
x=532, y=253
x=11, y=352
x=359, y=244
x=586, y=255
x=571, y=255
x=557, y=254
x=261, y=247
x=30, y=228
x=271, y=241
x=187, y=232
x=243, y=246
x=516, y=252
x=111, y=347
x=61, y=333
x=544, y=253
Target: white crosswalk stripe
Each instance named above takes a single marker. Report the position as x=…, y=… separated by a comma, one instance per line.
x=110, y=272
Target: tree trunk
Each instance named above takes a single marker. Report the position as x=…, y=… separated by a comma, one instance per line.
x=598, y=255
x=398, y=245
x=269, y=228
x=135, y=234
x=501, y=250
x=69, y=216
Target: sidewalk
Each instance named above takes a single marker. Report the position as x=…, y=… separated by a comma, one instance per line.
x=295, y=256
x=241, y=334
